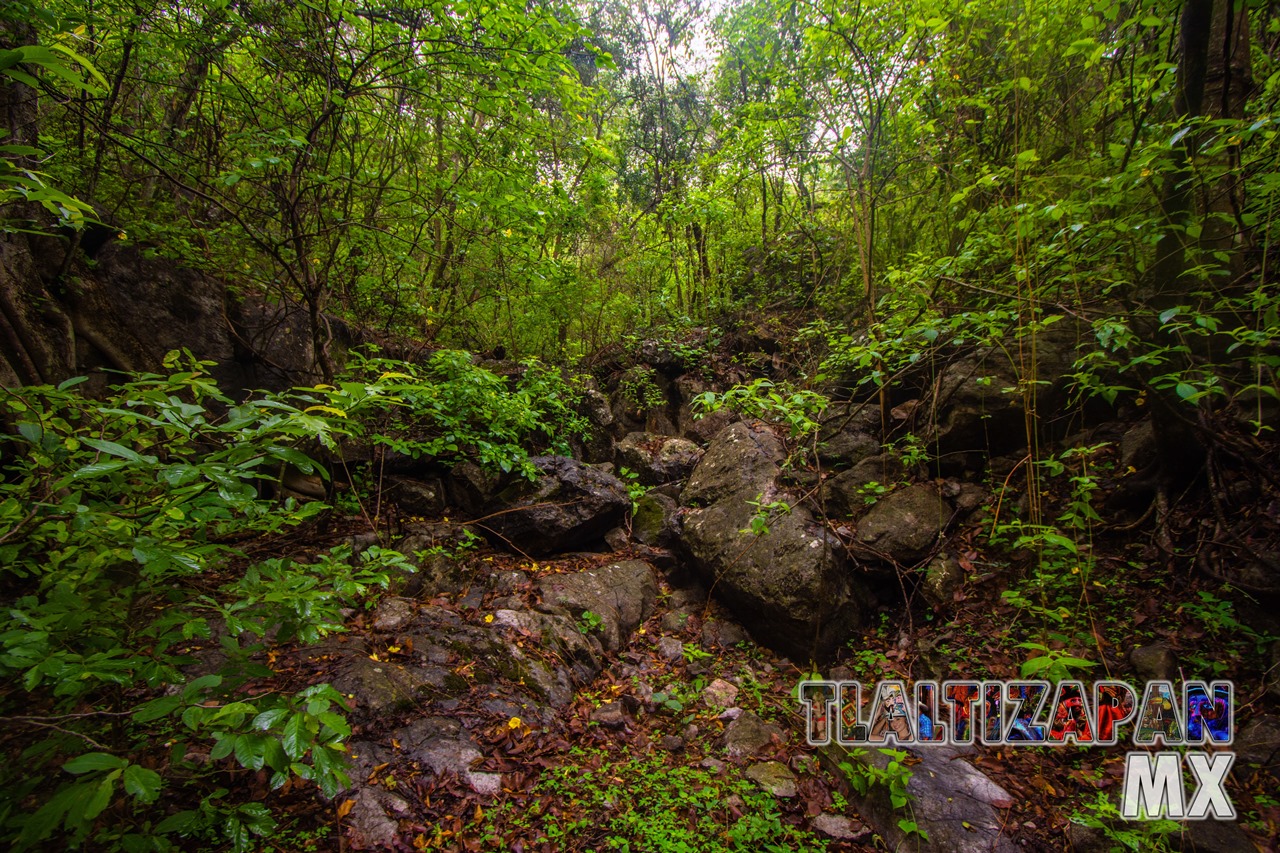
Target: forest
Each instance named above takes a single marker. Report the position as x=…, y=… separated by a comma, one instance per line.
x=464, y=424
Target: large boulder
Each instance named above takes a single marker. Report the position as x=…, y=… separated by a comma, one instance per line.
x=954, y=805
x=622, y=595
x=657, y=459
x=981, y=410
x=903, y=527
x=790, y=585
x=743, y=458
x=850, y=492
x=654, y=521
x=570, y=505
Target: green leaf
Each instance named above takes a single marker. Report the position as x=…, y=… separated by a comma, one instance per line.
x=141, y=783
x=295, y=736
x=156, y=708
x=114, y=449
x=91, y=761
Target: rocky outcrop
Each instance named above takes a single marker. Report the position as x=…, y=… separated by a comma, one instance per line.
x=791, y=584
x=954, y=805
x=657, y=459
x=570, y=505
x=902, y=527
x=621, y=596
x=128, y=310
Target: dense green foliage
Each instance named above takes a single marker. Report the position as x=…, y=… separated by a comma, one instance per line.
x=915, y=177
x=122, y=523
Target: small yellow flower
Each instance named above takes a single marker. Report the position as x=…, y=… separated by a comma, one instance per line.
x=488, y=617
x=514, y=723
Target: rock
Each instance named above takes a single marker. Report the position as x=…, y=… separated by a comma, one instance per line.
x=657, y=459
x=742, y=460
x=774, y=777
x=952, y=801
x=572, y=504
x=671, y=743
x=846, y=448
x=1087, y=839
x=392, y=613
x=596, y=407
x=720, y=694
x=471, y=488
x=965, y=497
x=617, y=539
x=414, y=497
x=674, y=622
x=379, y=686
x=903, y=527
x=978, y=416
x=1155, y=662
x=1214, y=836
x=703, y=429
x=942, y=579
x=839, y=827
x=846, y=494
x=611, y=715
x=653, y=522
x=622, y=595
x=374, y=819
x=669, y=648
x=444, y=746
x=1257, y=747
x=748, y=735
x=721, y=633
x=792, y=585
x=1138, y=448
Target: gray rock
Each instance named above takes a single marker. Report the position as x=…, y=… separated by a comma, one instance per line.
x=1215, y=836
x=657, y=459
x=721, y=633
x=597, y=408
x=669, y=648
x=617, y=539
x=792, y=585
x=846, y=448
x=774, y=777
x=611, y=715
x=392, y=614
x=471, y=488
x=444, y=746
x=839, y=827
x=622, y=595
x=942, y=579
x=1155, y=662
x=379, y=686
x=374, y=819
x=845, y=494
x=748, y=735
x=674, y=622
x=1257, y=747
x=571, y=504
x=414, y=497
x=1138, y=448
x=952, y=801
x=720, y=694
x=653, y=522
x=671, y=743
x=903, y=526
x=742, y=460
